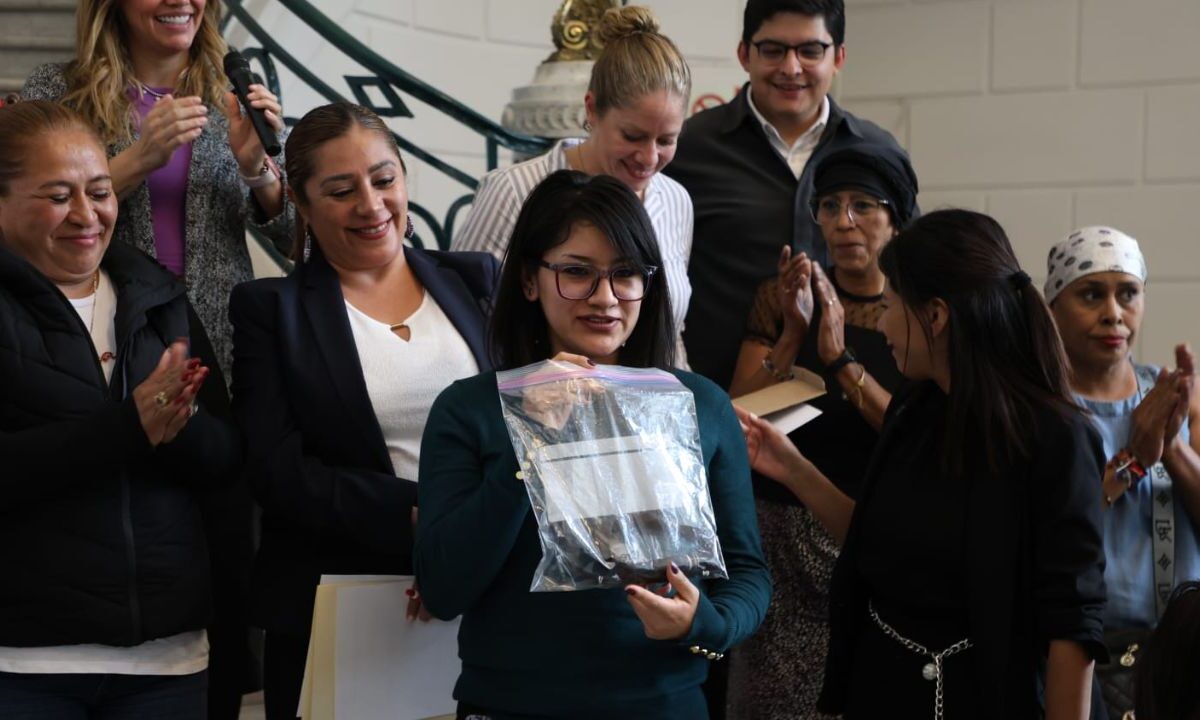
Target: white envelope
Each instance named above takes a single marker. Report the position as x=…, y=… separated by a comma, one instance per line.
x=785, y=405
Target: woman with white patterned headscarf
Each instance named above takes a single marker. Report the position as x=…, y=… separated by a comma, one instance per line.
x=1149, y=419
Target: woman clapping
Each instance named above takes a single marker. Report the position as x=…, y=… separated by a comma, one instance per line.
x=109, y=433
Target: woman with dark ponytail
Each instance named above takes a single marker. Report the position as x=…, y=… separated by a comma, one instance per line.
x=335, y=369
x=970, y=582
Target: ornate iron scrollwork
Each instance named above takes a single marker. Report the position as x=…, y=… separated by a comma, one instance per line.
x=359, y=85
x=390, y=81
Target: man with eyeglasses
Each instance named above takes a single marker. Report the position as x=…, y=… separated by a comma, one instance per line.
x=748, y=166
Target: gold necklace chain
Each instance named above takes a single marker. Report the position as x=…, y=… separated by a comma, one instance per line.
x=95, y=302
x=107, y=355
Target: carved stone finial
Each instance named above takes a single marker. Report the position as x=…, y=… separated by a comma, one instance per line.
x=552, y=105
x=573, y=29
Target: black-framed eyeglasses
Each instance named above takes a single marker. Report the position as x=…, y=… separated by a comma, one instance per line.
x=808, y=53
x=579, y=282
x=828, y=209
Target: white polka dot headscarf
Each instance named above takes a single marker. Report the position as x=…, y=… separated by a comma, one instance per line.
x=1088, y=251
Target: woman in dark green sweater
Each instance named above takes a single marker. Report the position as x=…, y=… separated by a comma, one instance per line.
x=600, y=653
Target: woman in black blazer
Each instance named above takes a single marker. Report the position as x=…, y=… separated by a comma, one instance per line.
x=335, y=368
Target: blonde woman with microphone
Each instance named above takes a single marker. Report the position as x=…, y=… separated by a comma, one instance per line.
x=187, y=165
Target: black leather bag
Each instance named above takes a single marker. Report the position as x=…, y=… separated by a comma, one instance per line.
x=1116, y=677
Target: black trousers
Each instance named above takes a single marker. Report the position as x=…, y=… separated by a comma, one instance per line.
x=283, y=674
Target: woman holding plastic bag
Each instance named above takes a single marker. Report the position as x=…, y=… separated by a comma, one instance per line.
x=580, y=279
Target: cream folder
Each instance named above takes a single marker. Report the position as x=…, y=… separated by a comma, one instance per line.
x=367, y=662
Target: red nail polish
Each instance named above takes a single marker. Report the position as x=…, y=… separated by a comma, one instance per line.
x=409, y=592
x=630, y=591
x=674, y=569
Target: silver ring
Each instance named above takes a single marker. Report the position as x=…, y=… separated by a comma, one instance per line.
x=829, y=303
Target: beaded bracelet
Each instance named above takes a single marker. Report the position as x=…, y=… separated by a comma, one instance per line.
x=265, y=176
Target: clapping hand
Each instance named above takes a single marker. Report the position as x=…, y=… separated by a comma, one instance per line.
x=1161, y=413
x=164, y=399
x=170, y=123
x=1185, y=384
x=831, y=333
x=795, y=291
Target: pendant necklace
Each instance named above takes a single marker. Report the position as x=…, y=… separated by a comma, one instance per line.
x=106, y=356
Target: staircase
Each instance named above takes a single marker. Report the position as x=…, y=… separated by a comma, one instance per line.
x=33, y=32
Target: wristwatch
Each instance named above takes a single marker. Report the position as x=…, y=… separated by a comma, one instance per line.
x=847, y=357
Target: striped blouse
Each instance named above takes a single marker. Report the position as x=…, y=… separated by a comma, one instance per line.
x=502, y=192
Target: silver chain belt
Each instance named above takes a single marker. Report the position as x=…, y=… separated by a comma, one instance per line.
x=931, y=671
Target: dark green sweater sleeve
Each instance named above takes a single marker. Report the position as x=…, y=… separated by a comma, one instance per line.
x=730, y=610
x=472, y=505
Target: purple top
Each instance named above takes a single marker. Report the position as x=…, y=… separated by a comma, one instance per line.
x=168, y=192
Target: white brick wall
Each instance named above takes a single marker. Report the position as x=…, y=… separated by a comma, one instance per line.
x=1049, y=114
x=1088, y=113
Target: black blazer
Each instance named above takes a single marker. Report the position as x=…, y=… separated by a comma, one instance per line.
x=316, y=458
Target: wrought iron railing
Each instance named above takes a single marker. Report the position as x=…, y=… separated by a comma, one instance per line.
x=387, y=79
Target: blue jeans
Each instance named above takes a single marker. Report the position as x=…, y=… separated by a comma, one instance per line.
x=103, y=697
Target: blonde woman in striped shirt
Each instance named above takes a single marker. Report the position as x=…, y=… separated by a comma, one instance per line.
x=636, y=102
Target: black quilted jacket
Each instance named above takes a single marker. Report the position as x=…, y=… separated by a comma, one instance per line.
x=100, y=534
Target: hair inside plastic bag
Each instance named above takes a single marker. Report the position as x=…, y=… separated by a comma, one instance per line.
x=611, y=459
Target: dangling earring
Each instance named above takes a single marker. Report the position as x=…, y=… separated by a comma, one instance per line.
x=408, y=227
x=307, y=242
x=587, y=126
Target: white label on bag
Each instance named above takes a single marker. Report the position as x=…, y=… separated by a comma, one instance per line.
x=613, y=476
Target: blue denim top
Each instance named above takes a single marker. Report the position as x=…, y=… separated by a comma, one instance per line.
x=1128, y=550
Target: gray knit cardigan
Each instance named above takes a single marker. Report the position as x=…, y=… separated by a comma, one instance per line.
x=218, y=209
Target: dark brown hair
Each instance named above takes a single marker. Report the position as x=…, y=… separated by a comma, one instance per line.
x=23, y=122
x=1007, y=363
x=518, y=333
x=319, y=126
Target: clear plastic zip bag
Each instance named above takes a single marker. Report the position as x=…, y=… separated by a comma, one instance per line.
x=611, y=459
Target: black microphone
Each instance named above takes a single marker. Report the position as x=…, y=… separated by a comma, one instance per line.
x=238, y=72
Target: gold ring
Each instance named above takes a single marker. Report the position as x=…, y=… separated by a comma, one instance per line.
x=162, y=400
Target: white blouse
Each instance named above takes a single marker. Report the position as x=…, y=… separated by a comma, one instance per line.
x=404, y=377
